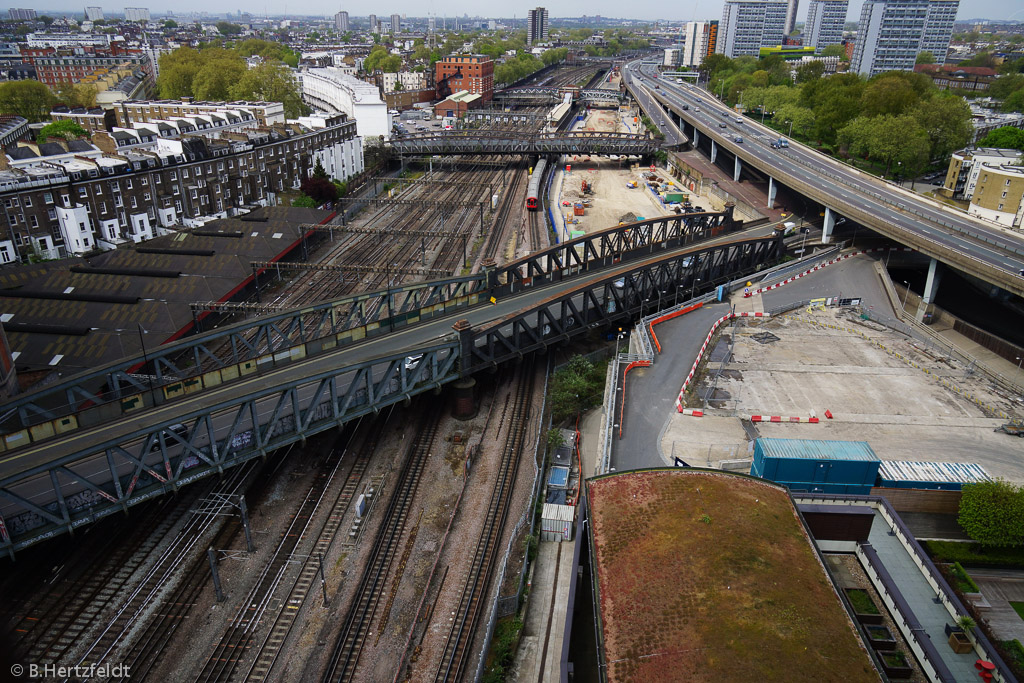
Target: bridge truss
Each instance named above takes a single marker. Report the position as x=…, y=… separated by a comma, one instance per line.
x=513, y=142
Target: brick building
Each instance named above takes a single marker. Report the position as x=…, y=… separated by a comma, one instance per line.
x=64, y=198
x=474, y=73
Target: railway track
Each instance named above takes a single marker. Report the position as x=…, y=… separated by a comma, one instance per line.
x=458, y=644
x=373, y=581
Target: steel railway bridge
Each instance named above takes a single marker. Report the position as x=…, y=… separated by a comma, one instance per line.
x=512, y=142
x=103, y=441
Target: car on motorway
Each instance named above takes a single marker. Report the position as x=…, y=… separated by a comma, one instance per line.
x=739, y=119
x=738, y=138
x=699, y=100
x=725, y=114
x=696, y=109
x=686, y=107
x=722, y=124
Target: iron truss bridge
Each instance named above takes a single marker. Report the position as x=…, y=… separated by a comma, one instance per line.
x=556, y=94
x=510, y=142
x=109, y=439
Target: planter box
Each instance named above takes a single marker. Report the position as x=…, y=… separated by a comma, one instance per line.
x=960, y=643
x=863, y=617
x=881, y=638
x=895, y=665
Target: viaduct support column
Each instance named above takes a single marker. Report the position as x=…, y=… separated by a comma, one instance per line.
x=772, y=191
x=931, y=285
x=736, y=168
x=826, y=229
x=696, y=137
x=714, y=151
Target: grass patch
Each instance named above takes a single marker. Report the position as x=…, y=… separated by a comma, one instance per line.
x=1018, y=607
x=861, y=601
x=974, y=555
x=1013, y=653
x=895, y=658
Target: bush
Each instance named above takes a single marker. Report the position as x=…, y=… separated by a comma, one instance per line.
x=1013, y=653
x=973, y=554
x=964, y=582
x=503, y=649
x=861, y=601
x=577, y=386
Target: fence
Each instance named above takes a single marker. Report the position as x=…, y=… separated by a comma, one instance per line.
x=502, y=603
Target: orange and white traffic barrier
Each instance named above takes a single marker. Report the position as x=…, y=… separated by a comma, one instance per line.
x=693, y=412
x=837, y=259
x=779, y=418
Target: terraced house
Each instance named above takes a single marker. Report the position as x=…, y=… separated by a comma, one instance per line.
x=62, y=199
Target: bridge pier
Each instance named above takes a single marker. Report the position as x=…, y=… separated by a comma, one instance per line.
x=772, y=191
x=465, y=407
x=737, y=166
x=714, y=151
x=826, y=228
x=696, y=137
x=931, y=285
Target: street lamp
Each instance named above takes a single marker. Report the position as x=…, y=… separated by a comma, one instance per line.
x=790, y=129
x=1017, y=381
x=145, y=362
x=618, y=339
x=906, y=294
x=693, y=285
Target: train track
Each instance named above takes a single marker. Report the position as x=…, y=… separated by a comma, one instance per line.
x=457, y=649
x=511, y=198
x=373, y=582
x=237, y=640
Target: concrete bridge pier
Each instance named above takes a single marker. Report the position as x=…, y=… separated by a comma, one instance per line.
x=931, y=284
x=772, y=191
x=696, y=137
x=826, y=228
x=465, y=407
x=737, y=166
x=714, y=151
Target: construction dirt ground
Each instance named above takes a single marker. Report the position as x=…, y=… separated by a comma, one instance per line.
x=910, y=400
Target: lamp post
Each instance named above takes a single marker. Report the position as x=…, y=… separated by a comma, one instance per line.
x=145, y=362
x=693, y=285
x=1017, y=380
x=906, y=294
x=790, y=129
x=618, y=339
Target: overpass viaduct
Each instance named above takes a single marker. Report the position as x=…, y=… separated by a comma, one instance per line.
x=537, y=93
x=289, y=375
x=991, y=254
x=511, y=142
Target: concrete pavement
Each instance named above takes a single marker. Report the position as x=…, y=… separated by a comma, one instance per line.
x=540, y=646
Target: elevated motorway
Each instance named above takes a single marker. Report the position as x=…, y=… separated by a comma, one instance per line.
x=511, y=142
x=313, y=378
x=982, y=250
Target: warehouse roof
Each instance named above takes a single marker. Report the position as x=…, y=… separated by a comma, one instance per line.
x=814, y=449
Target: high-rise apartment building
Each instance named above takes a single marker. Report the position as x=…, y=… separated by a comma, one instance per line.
x=372, y=21
x=93, y=13
x=537, y=26
x=791, y=7
x=341, y=21
x=396, y=23
x=825, y=21
x=22, y=14
x=136, y=14
x=696, y=43
x=749, y=25
x=892, y=33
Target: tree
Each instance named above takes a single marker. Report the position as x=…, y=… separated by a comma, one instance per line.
x=983, y=58
x=992, y=513
x=1014, y=102
x=321, y=190
x=834, y=51
x=574, y=388
x=170, y=23
x=30, y=99
x=177, y=69
x=65, y=128
x=46, y=19
x=305, y=202
x=270, y=82
x=893, y=140
x=888, y=94
x=226, y=28
x=810, y=71
x=318, y=170
x=221, y=69
x=947, y=122
x=1006, y=137
x=924, y=57
x=1004, y=86
x=76, y=94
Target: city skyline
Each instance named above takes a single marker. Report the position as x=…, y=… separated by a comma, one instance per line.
x=702, y=10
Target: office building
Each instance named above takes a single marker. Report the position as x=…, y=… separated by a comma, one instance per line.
x=22, y=14
x=891, y=34
x=749, y=25
x=537, y=26
x=472, y=73
x=94, y=14
x=396, y=23
x=136, y=14
x=341, y=21
x=372, y=21
x=825, y=21
x=696, y=45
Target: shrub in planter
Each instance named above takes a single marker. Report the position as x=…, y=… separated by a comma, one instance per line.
x=864, y=608
x=881, y=638
x=895, y=665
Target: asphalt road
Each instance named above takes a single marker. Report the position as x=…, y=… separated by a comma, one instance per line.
x=849, y=187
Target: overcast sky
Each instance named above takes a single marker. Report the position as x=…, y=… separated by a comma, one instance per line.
x=687, y=10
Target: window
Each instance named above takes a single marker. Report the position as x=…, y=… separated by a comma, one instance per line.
x=158, y=180
x=145, y=181
x=177, y=206
x=174, y=175
x=103, y=207
x=83, y=192
x=48, y=197
x=146, y=196
x=184, y=173
x=66, y=199
x=28, y=202
x=134, y=203
x=33, y=221
x=51, y=214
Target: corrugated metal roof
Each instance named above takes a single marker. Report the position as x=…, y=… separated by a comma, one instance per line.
x=559, y=477
x=561, y=513
x=951, y=472
x=814, y=449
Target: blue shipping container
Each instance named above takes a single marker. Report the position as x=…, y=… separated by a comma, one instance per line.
x=810, y=465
